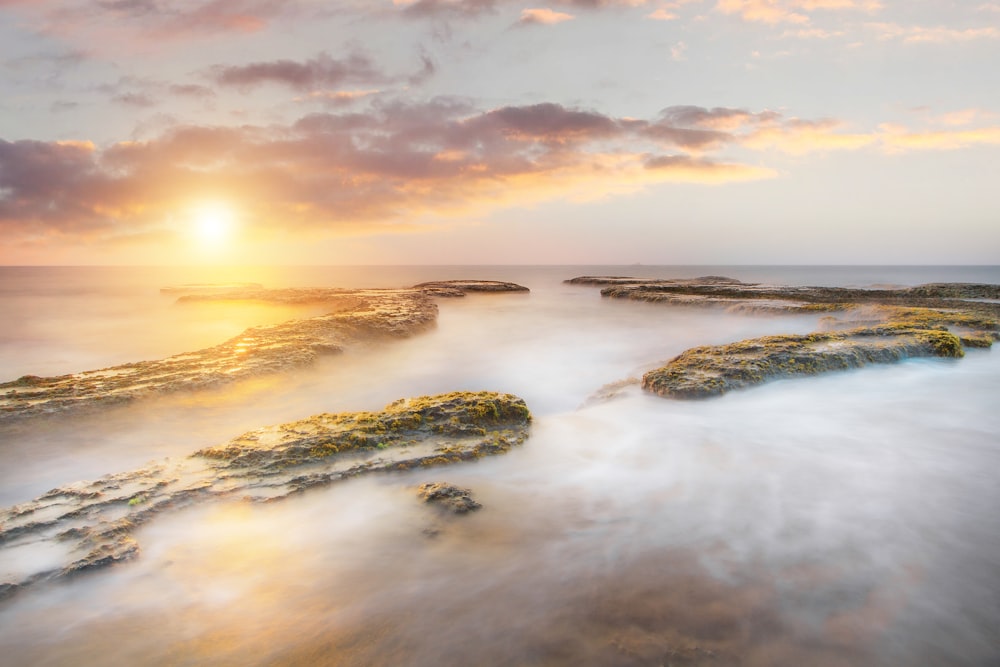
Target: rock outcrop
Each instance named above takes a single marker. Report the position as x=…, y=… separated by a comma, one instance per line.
x=448, y=497
x=710, y=371
x=91, y=523
x=296, y=296
x=461, y=287
x=872, y=326
x=714, y=291
x=360, y=315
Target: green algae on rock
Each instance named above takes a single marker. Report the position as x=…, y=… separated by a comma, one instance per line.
x=713, y=370
x=364, y=315
x=875, y=326
x=91, y=524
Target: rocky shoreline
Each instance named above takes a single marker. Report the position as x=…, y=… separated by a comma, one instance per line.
x=872, y=326
x=91, y=524
x=356, y=316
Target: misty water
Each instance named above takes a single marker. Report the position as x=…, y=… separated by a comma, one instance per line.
x=846, y=519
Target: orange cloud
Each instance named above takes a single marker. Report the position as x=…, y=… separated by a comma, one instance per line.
x=764, y=11
x=543, y=17
x=896, y=139
x=790, y=11
x=661, y=14
x=343, y=172
x=798, y=137
x=395, y=162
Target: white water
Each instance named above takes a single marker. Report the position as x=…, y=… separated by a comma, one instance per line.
x=852, y=518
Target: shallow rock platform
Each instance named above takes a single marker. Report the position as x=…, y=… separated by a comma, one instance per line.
x=871, y=326
x=90, y=525
x=358, y=315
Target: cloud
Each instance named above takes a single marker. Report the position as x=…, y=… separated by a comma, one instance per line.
x=718, y=118
x=393, y=162
x=148, y=24
x=60, y=106
x=812, y=33
x=798, y=137
x=140, y=100
x=191, y=90
x=434, y=8
x=338, y=98
x=790, y=11
x=319, y=73
x=963, y=117
x=931, y=35
x=472, y=8
x=897, y=139
x=662, y=14
x=323, y=71
x=339, y=172
x=542, y=17
x=764, y=11
x=215, y=16
x=685, y=168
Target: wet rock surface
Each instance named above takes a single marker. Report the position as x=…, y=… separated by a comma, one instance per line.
x=710, y=371
x=359, y=315
x=90, y=525
x=295, y=296
x=448, y=497
x=461, y=287
x=715, y=291
x=871, y=326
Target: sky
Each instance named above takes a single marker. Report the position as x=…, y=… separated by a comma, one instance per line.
x=499, y=132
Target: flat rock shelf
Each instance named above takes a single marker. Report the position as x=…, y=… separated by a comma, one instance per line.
x=870, y=327
x=91, y=524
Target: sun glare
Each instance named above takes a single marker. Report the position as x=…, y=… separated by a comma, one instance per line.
x=213, y=223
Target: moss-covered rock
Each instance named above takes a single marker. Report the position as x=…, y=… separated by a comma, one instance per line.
x=870, y=326
x=93, y=522
x=713, y=370
x=406, y=422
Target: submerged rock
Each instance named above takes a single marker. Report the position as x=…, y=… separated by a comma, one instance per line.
x=448, y=496
x=363, y=315
x=91, y=523
x=876, y=326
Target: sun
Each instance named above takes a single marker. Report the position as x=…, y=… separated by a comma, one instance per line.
x=213, y=223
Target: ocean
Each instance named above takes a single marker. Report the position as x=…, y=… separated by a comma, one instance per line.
x=845, y=519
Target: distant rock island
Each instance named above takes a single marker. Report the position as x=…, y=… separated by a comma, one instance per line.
x=872, y=326
x=461, y=287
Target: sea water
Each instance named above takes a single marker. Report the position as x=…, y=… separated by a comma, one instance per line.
x=845, y=519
